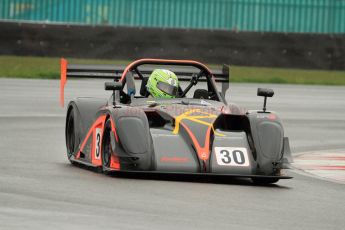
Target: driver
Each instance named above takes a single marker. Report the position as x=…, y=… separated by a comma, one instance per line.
x=162, y=83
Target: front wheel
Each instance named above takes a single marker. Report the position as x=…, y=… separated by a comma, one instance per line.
x=72, y=141
x=106, y=146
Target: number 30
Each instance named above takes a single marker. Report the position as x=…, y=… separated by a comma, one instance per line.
x=232, y=157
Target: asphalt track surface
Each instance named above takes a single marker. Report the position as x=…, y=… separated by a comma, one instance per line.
x=39, y=189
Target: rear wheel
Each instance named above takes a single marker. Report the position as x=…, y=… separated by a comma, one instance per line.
x=71, y=136
x=264, y=181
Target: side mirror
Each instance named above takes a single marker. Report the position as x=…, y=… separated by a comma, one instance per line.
x=264, y=92
x=113, y=86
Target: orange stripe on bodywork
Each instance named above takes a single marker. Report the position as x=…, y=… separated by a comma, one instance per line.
x=99, y=123
x=63, y=80
x=202, y=151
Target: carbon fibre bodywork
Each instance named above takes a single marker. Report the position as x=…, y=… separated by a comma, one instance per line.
x=181, y=135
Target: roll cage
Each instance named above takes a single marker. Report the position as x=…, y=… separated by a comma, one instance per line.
x=139, y=68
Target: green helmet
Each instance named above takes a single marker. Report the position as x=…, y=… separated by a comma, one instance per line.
x=162, y=83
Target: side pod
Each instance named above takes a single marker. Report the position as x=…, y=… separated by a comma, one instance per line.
x=268, y=136
x=136, y=148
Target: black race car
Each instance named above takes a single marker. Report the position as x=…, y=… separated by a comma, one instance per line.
x=197, y=132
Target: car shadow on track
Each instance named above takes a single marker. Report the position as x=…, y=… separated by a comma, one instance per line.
x=211, y=179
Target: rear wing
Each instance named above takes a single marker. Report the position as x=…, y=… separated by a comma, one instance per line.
x=118, y=72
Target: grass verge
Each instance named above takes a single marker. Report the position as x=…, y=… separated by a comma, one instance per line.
x=49, y=68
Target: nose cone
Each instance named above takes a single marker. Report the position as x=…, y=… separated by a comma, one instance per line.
x=198, y=125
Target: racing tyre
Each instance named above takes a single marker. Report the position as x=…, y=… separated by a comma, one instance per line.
x=106, y=147
x=72, y=141
x=264, y=181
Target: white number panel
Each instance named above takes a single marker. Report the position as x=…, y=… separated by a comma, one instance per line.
x=98, y=143
x=232, y=156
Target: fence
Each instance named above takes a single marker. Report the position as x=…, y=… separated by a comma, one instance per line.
x=301, y=16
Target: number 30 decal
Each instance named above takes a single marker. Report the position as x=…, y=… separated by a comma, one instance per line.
x=229, y=156
x=98, y=143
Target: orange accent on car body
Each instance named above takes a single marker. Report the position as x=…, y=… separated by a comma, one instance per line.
x=174, y=159
x=202, y=151
x=99, y=123
x=115, y=162
x=63, y=80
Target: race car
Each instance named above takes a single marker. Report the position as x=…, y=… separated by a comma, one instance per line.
x=197, y=132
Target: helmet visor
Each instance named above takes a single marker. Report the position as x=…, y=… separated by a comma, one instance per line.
x=167, y=88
